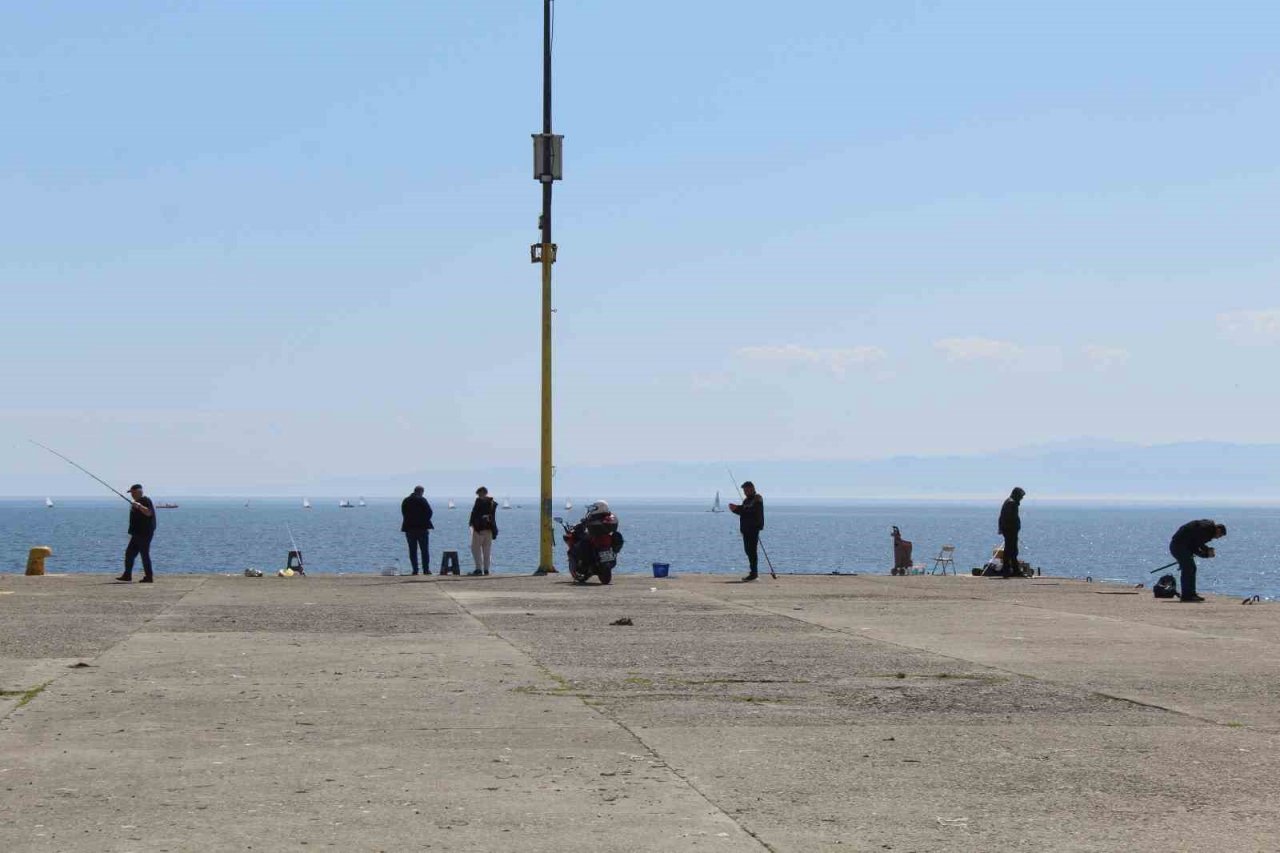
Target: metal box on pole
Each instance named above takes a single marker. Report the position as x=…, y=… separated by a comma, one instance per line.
x=540, y=161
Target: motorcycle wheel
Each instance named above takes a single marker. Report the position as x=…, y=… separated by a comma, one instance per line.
x=605, y=575
x=575, y=571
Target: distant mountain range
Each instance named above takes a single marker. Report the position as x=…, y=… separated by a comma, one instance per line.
x=1082, y=468
x=1074, y=469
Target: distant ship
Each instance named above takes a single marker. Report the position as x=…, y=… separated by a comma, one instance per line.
x=345, y=504
x=452, y=505
x=361, y=503
x=715, y=507
x=568, y=504
x=166, y=506
x=306, y=504
x=48, y=503
x=506, y=504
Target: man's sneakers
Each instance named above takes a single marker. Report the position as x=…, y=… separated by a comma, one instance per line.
x=1191, y=599
x=750, y=577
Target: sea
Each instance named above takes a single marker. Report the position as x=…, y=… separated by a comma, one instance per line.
x=1103, y=541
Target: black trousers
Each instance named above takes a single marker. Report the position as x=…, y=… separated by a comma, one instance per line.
x=1011, y=566
x=1187, y=567
x=750, y=544
x=139, y=546
x=419, y=539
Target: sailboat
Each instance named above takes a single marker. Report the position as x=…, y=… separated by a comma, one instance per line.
x=345, y=504
x=48, y=503
x=306, y=504
x=452, y=505
x=506, y=503
x=715, y=507
x=361, y=503
x=568, y=504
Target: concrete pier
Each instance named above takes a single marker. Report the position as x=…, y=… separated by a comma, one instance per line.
x=509, y=713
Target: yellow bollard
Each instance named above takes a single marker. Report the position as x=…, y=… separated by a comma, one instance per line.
x=36, y=558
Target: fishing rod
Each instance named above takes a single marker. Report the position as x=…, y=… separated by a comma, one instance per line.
x=82, y=468
x=763, y=549
x=1165, y=566
x=301, y=569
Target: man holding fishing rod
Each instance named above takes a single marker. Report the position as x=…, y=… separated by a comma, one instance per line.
x=142, y=527
x=750, y=522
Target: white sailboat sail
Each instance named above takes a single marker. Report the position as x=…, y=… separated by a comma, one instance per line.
x=568, y=504
x=452, y=505
x=48, y=503
x=306, y=504
x=361, y=503
x=715, y=507
x=506, y=503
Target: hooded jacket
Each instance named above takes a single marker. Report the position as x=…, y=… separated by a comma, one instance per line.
x=1194, y=536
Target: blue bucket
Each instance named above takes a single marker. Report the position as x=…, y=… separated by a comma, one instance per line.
x=660, y=570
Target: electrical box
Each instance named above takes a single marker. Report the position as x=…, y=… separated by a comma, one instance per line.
x=540, y=143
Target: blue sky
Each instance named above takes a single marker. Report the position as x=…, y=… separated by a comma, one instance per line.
x=274, y=242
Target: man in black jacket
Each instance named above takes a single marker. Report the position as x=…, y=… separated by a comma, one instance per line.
x=142, y=527
x=1010, y=525
x=1191, y=541
x=750, y=522
x=416, y=526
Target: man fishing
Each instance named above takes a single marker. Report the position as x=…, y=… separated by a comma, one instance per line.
x=750, y=522
x=1190, y=541
x=1009, y=527
x=415, y=512
x=142, y=527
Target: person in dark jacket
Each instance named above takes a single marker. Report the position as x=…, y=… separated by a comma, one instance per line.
x=484, y=529
x=142, y=528
x=750, y=522
x=415, y=512
x=1190, y=541
x=1010, y=525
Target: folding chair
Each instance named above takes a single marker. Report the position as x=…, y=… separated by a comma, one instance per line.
x=946, y=557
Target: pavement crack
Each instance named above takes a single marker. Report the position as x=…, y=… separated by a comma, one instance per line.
x=604, y=714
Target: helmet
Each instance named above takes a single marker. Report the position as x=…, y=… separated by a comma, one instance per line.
x=598, y=508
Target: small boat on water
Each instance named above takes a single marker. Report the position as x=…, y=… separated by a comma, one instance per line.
x=48, y=503
x=361, y=502
x=715, y=507
x=506, y=504
x=306, y=504
x=166, y=506
x=452, y=505
x=345, y=504
x=568, y=504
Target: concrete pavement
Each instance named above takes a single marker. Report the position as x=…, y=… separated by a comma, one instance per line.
x=509, y=713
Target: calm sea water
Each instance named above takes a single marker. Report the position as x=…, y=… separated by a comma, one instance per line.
x=1119, y=543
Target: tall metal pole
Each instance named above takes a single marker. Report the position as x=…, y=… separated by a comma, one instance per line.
x=546, y=253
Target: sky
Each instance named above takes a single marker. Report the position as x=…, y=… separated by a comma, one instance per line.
x=274, y=243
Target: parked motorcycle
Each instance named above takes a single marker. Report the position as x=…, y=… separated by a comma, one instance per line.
x=593, y=544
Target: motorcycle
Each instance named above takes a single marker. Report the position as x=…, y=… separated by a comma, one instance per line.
x=593, y=544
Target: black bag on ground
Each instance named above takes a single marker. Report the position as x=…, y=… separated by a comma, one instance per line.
x=1166, y=587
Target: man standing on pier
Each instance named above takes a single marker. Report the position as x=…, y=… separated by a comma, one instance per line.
x=750, y=522
x=416, y=525
x=1010, y=526
x=1191, y=541
x=142, y=527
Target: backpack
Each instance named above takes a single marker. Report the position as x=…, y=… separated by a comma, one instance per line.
x=1166, y=587
x=485, y=521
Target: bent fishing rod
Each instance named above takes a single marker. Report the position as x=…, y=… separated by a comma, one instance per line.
x=122, y=497
x=763, y=549
x=1165, y=566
